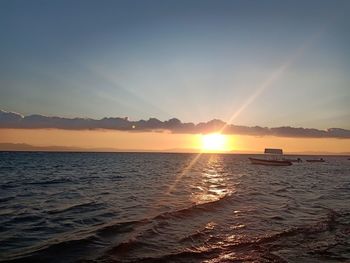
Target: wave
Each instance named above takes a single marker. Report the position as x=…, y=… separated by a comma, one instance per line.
x=119, y=238
x=74, y=208
x=142, y=239
x=49, y=182
x=330, y=223
x=261, y=248
x=195, y=209
x=197, y=256
x=66, y=250
x=122, y=227
x=22, y=218
x=5, y=199
x=9, y=185
x=70, y=246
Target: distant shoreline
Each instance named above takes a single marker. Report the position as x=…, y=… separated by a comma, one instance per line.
x=14, y=147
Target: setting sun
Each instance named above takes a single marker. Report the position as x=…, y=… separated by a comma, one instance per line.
x=215, y=142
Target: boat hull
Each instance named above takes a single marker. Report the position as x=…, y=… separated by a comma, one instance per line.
x=270, y=162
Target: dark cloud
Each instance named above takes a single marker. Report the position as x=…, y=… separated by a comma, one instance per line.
x=16, y=120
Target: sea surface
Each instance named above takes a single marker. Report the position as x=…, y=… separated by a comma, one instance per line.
x=153, y=207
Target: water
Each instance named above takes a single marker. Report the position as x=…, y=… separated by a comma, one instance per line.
x=150, y=207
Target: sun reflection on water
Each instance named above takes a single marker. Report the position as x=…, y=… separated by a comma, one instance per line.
x=212, y=183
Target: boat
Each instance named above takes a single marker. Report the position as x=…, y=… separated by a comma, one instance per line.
x=316, y=160
x=274, y=159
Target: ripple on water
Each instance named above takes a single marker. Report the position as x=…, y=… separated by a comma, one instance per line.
x=165, y=207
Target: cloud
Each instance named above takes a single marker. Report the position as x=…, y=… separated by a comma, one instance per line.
x=16, y=120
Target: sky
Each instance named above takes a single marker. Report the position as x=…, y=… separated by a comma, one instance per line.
x=250, y=63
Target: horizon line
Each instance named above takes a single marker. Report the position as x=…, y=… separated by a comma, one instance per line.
x=23, y=147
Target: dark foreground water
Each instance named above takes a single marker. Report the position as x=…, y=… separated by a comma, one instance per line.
x=142, y=207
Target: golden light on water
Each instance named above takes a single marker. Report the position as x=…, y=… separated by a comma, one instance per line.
x=212, y=183
x=215, y=142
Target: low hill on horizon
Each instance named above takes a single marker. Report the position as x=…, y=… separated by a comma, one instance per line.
x=34, y=148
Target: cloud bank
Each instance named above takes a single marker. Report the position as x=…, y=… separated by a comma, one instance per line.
x=18, y=121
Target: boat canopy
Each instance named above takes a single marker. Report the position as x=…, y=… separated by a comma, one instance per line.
x=273, y=151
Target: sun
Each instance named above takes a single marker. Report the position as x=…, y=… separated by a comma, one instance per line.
x=214, y=142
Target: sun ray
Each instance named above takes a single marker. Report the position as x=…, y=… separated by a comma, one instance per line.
x=275, y=75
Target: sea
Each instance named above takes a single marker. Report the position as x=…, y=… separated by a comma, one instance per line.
x=171, y=207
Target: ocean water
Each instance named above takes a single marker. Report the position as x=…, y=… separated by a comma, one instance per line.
x=152, y=207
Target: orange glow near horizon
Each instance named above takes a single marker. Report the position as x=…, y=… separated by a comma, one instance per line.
x=108, y=140
x=215, y=142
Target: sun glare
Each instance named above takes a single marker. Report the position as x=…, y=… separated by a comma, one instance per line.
x=214, y=142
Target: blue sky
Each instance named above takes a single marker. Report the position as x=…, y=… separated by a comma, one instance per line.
x=194, y=60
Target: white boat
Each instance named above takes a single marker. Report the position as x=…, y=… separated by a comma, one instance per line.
x=273, y=160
